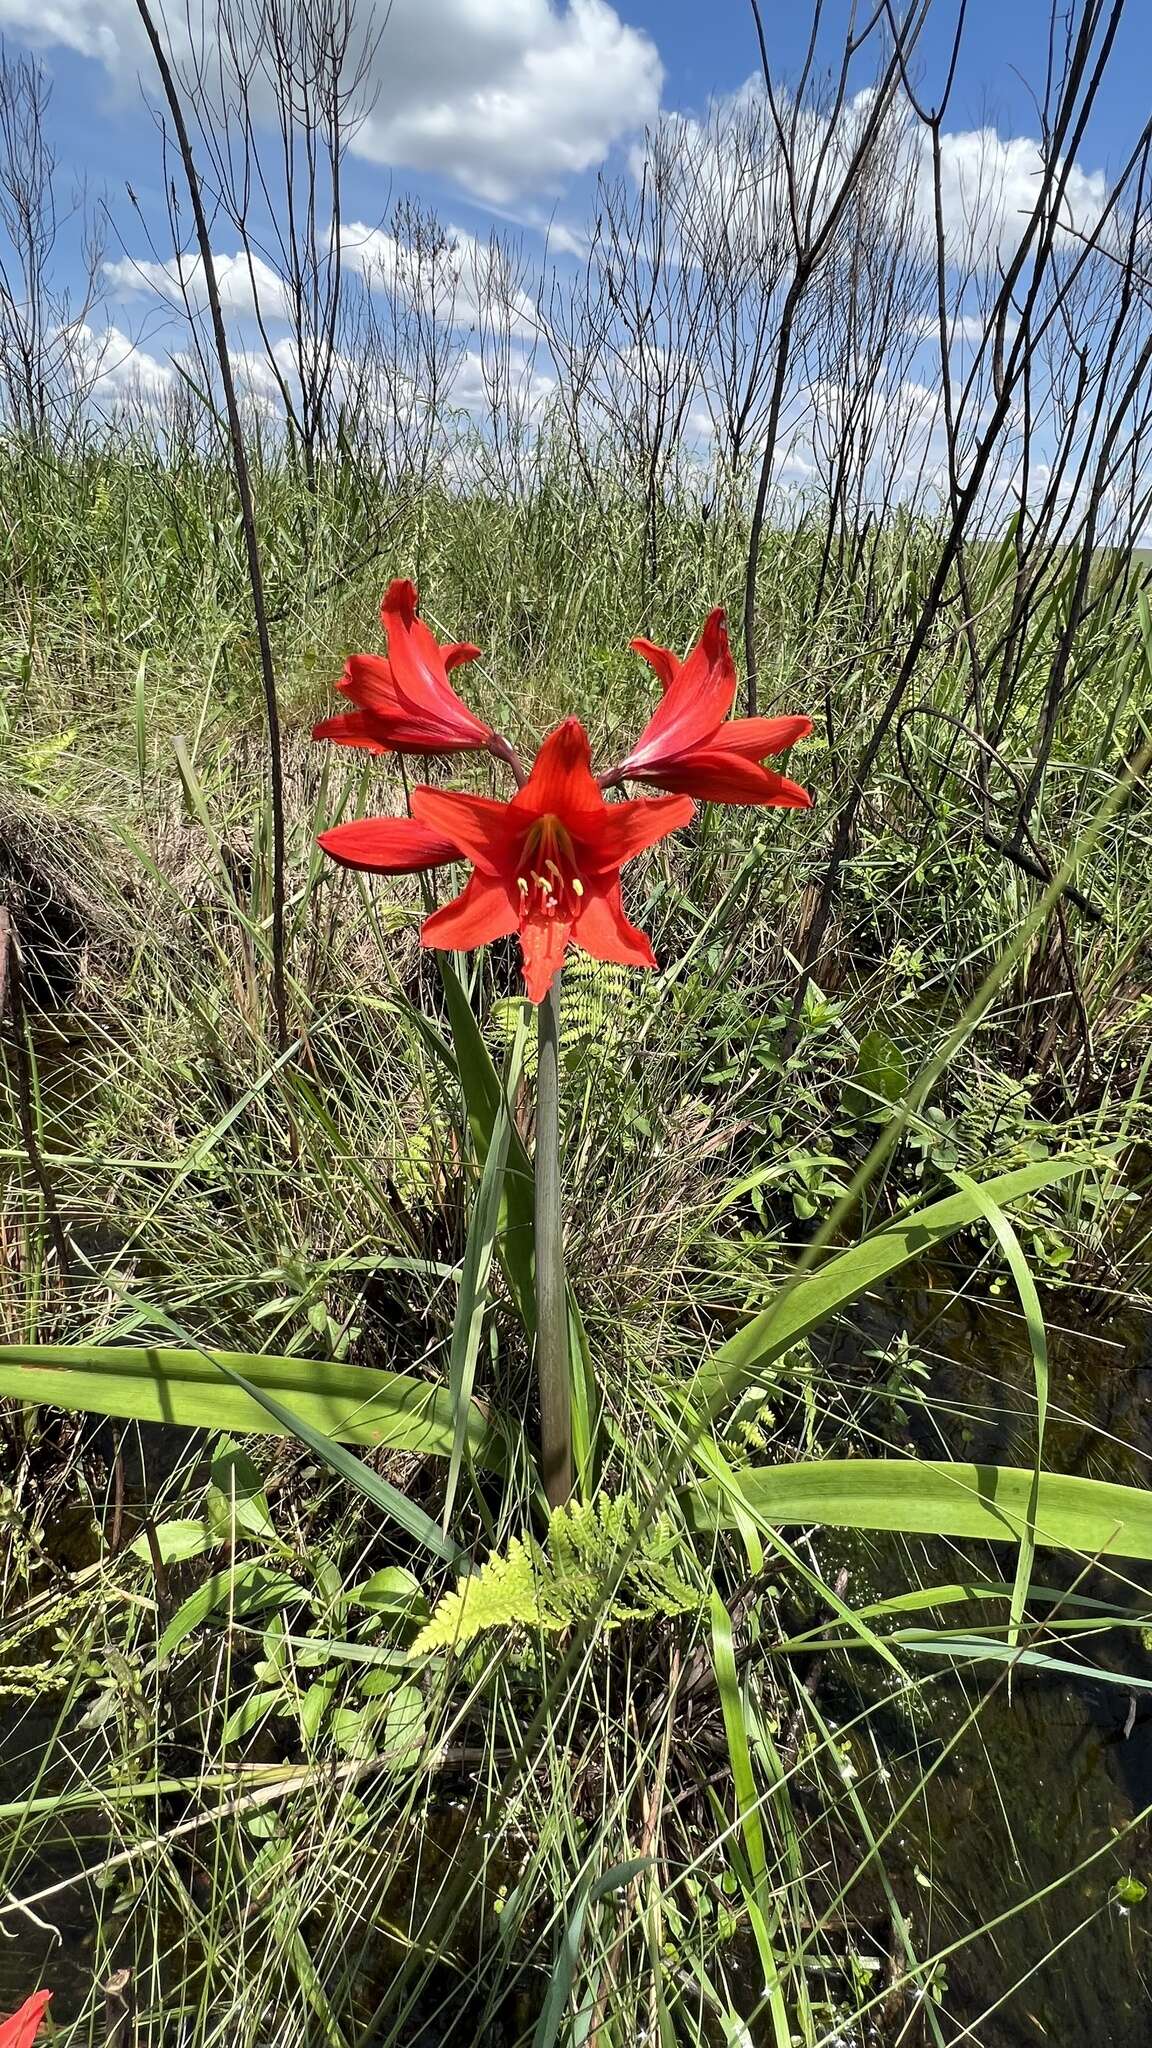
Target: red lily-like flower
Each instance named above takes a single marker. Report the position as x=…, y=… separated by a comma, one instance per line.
x=21, y=2028
x=546, y=864
x=687, y=745
x=405, y=705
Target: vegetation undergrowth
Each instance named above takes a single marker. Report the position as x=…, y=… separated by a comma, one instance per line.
x=325, y=1719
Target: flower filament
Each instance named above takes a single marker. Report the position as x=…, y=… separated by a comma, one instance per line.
x=547, y=880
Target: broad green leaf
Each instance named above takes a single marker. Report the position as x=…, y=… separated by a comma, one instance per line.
x=1025, y=1285
x=404, y=1727
x=242, y=1589
x=175, y=1542
x=803, y=1304
x=250, y=1713
x=235, y=1502
x=977, y=1649
x=880, y=1077
x=315, y=1702
x=389, y=1591
x=756, y=1882
x=923, y=1497
x=354, y=1404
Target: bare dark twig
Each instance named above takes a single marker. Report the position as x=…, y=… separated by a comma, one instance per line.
x=243, y=480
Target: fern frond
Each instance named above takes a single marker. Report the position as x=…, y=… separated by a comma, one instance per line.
x=576, y=1576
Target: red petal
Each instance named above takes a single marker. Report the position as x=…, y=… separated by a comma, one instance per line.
x=627, y=828
x=694, y=704
x=661, y=659
x=561, y=783
x=404, y=725
x=401, y=599
x=368, y=681
x=352, y=729
x=603, y=930
x=20, y=2030
x=386, y=846
x=758, y=737
x=543, y=943
x=457, y=651
x=419, y=672
x=482, y=911
x=717, y=777
x=482, y=828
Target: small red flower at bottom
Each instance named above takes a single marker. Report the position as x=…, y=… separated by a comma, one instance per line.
x=546, y=865
x=21, y=2028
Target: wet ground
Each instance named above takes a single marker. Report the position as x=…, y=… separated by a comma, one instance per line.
x=1054, y=1774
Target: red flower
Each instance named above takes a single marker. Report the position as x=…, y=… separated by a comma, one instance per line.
x=405, y=704
x=546, y=864
x=20, y=2030
x=687, y=745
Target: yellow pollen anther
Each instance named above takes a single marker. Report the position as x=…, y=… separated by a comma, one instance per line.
x=522, y=885
x=577, y=886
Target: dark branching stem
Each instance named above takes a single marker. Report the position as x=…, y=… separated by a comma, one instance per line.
x=243, y=479
x=552, y=1350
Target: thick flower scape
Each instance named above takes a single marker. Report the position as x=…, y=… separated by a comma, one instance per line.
x=546, y=864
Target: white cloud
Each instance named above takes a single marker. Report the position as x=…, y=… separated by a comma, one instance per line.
x=506, y=97
x=989, y=183
x=509, y=96
x=245, y=283
x=531, y=386
x=117, y=369
x=564, y=240
x=989, y=186
x=95, y=28
x=463, y=281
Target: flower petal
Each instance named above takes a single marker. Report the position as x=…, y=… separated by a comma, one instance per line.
x=387, y=846
x=543, y=943
x=367, y=680
x=758, y=737
x=20, y=2029
x=715, y=776
x=561, y=782
x=627, y=828
x=483, y=910
x=695, y=702
x=483, y=828
x=420, y=674
x=457, y=651
x=603, y=931
x=661, y=660
x=352, y=729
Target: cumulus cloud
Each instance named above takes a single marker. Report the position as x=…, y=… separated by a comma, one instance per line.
x=989, y=186
x=246, y=283
x=117, y=370
x=462, y=281
x=509, y=96
x=506, y=97
x=989, y=183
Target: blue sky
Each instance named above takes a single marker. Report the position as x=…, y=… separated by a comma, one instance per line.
x=506, y=109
